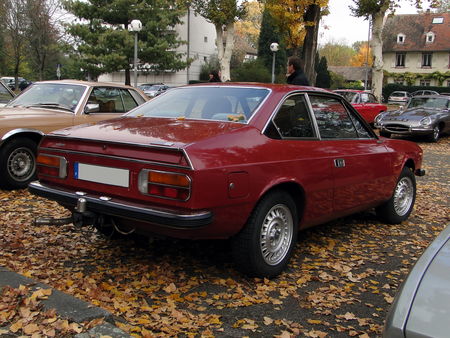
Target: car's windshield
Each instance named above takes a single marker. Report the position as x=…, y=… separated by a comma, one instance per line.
x=236, y=104
x=429, y=102
x=50, y=94
x=349, y=96
x=150, y=87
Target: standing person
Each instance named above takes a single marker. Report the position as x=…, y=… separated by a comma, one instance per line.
x=295, y=72
x=214, y=76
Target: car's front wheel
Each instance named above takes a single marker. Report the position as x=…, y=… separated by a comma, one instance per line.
x=264, y=246
x=434, y=137
x=400, y=205
x=17, y=163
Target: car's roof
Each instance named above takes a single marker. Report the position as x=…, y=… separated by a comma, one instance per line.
x=350, y=90
x=86, y=83
x=274, y=87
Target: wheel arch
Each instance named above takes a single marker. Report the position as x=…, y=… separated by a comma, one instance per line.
x=32, y=134
x=295, y=190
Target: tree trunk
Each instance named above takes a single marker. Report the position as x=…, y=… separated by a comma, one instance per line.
x=224, y=51
x=376, y=43
x=312, y=19
x=127, y=77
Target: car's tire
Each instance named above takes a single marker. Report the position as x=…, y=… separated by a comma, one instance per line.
x=434, y=137
x=17, y=163
x=385, y=134
x=400, y=205
x=264, y=246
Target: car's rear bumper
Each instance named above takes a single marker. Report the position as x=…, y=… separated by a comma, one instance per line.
x=123, y=209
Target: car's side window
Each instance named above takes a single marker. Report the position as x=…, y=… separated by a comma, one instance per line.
x=292, y=119
x=127, y=103
x=332, y=118
x=107, y=98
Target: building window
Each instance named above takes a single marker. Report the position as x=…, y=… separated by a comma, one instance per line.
x=401, y=38
x=400, y=59
x=438, y=20
x=205, y=39
x=399, y=81
x=426, y=59
x=430, y=37
x=425, y=83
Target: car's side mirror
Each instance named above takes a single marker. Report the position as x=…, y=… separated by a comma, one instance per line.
x=91, y=108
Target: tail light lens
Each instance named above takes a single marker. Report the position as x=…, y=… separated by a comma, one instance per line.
x=51, y=165
x=163, y=184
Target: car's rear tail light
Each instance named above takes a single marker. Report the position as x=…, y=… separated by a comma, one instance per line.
x=165, y=184
x=51, y=165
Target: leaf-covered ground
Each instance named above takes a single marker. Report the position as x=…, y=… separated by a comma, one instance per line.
x=340, y=282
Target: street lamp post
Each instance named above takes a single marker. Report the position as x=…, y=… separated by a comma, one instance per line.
x=135, y=26
x=274, y=48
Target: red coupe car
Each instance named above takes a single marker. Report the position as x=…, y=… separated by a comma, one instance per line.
x=365, y=103
x=250, y=162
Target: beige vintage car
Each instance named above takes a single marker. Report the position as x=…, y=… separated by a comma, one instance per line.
x=50, y=105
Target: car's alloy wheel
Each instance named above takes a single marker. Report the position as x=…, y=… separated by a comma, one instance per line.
x=276, y=234
x=264, y=246
x=400, y=205
x=434, y=137
x=17, y=163
x=403, y=196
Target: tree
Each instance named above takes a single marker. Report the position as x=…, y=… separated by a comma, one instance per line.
x=249, y=26
x=104, y=44
x=269, y=33
x=42, y=33
x=375, y=11
x=363, y=58
x=299, y=21
x=15, y=19
x=323, y=79
x=223, y=14
x=337, y=53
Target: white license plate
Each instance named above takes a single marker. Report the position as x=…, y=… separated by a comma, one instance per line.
x=100, y=174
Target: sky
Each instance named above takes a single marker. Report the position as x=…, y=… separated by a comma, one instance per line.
x=340, y=26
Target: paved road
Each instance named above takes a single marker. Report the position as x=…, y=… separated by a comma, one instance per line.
x=342, y=278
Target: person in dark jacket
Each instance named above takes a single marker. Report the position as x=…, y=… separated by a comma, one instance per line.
x=296, y=75
x=214, y=76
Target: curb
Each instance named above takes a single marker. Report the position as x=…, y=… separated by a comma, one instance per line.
x=66, y=306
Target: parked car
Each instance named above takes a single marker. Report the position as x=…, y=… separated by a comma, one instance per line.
x=50, y=105
x=399, y=97
x=365, y=103
x=424, y=115
x=6, y=94
x=422, y=306
x=424, y=92
x=249, y=162
x=152, y=90
x=11, y=82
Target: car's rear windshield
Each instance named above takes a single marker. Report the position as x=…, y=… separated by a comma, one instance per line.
x=50, y=94
x=234, y=104
x=429, y=102
x=398, y=94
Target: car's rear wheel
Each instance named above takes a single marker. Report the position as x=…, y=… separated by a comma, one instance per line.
x=400, y=205
x=434, y=137
x=17, y=163
x=263, y=248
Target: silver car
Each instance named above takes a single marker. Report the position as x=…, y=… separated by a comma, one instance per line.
x=427, y=115
x=422, y=306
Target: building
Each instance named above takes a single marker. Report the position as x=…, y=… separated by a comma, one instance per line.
x=200, y=37
x=416, y=49
x=363, y=75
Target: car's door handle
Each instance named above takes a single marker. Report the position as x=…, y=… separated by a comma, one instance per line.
x=339, y=163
